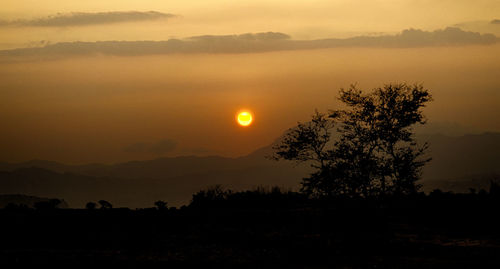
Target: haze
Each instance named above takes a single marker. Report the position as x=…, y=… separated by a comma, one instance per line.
x=76, y=106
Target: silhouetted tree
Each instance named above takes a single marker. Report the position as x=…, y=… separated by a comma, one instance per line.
x=105, y=204
x=375, y=152
x=90, y=205
x=161, y=205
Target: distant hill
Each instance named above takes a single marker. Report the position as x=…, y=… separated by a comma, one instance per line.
x=139, y=184
x=29, y=201
x=462, y=162
x=459, y=162
x=251, y=43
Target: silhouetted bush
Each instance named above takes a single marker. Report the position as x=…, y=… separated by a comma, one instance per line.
x=161, y=205
x=259, y=198
x=105, y=204
x=47, y=205
x=210, y=197
x=91, y=206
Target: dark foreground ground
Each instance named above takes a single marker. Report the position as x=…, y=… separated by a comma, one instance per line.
x=448, y=231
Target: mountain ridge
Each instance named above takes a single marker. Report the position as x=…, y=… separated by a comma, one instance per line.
x=458, y=162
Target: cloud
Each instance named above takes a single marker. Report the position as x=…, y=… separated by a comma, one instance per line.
x=269, y=36
x=158, y=148
x=83, y=18
x=252, y=43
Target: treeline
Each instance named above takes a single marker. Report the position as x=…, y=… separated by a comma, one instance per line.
x=263, y=228
x=278, y=198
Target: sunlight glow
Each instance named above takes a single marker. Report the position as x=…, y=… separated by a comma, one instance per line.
x=244, y=118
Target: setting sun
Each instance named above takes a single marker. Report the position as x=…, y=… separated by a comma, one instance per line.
x=244, y=118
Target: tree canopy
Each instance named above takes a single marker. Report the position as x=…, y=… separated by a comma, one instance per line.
x=365, y=150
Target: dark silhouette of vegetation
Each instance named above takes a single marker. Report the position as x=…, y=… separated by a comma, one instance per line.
x=212, y=195
x=161, y=205
x=495, y=188
x=264, y=228
x=13, y=206
x=47, y=205
x=261, y=197
x=105, y=204
x=375, y=154
x=91, y=206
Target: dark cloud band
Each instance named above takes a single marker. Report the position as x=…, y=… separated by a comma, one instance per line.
x=83, y=18
x=251, y=43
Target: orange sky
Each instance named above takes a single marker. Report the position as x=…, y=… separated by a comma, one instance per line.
x=102, y=108
x=300, y=19
x=90, y=109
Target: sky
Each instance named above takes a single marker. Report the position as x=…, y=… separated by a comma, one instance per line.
x=300, y=19
x=123, y=100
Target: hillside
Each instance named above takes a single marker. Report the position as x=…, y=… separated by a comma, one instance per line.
x=29, y=201
x=459, y=163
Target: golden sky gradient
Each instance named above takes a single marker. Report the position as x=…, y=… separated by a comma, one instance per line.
x=104, y=108
x=300, y=19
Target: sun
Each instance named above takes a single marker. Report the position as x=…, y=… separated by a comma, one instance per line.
x=244, y=118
